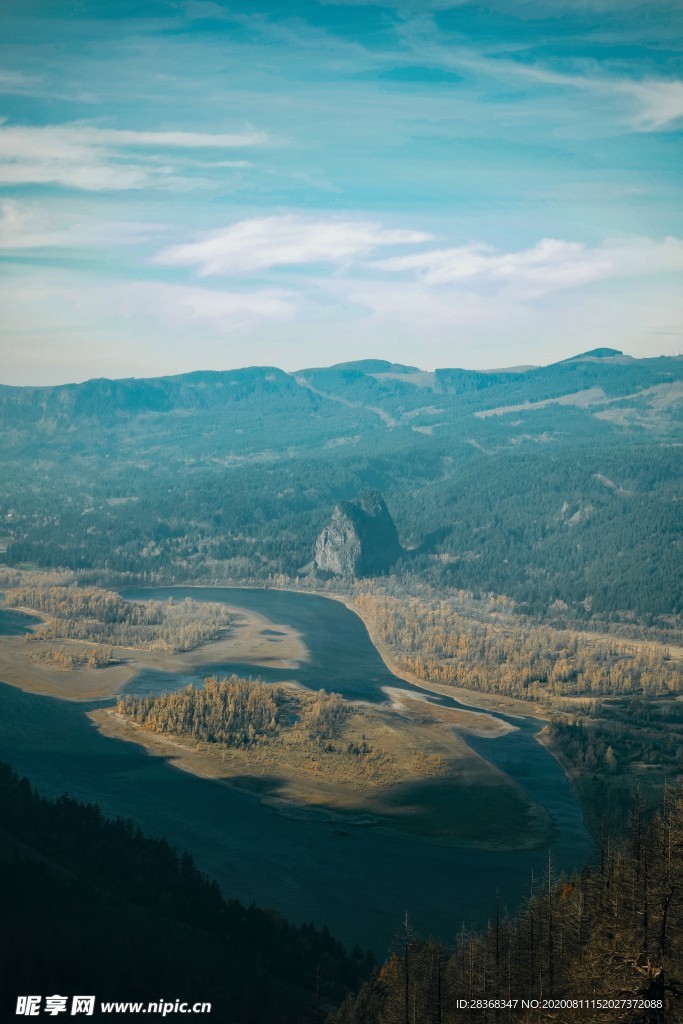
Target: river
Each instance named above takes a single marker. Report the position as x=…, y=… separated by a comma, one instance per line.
x=360, y=884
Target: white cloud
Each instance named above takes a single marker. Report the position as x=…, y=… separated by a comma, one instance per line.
x=659, y=103
x=655, y=103
x=54, y=300
x=225, y=312
x=99, y=159
x=288, y=240
x=643, y=104
x=62, y=325
x=25, y=226
x=162, y=140
x=58, y=327
x=418, y=324
x=550, y=265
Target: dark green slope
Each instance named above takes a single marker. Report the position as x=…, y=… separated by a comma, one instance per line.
x=90, y=905
x=559, y=483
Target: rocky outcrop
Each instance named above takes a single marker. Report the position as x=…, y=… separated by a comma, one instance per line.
x=359, y=540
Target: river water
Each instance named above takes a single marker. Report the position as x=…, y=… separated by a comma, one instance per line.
x=360, y=884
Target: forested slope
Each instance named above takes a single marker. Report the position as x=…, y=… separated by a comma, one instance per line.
x=90, y=905
x=560, y=483
x=605, y=945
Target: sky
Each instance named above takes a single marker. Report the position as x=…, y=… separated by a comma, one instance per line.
x=208, y=184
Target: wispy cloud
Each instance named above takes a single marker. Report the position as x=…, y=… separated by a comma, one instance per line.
x=655, y=103
x=52, y=304
x=58, y=327
x=415, y=322
x=550, y=265
x=98, y=159
x=658, y=103
x=643, y=103
x=542, y=137
x=288, y=240
x=17, y=82
x=26, y=226
x=225, y=312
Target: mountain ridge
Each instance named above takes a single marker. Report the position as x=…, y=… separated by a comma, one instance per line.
x=369, y=366
x=361, y=382
x=493, y=480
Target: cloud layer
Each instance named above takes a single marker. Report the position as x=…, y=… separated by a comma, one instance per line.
x=254, y=245
x=438, y=182
x=95, y=159
x=549, y=265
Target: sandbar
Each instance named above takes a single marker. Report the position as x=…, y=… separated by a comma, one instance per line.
x=251, y=638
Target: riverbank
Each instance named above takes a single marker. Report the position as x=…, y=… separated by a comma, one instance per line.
x=251, y=638
x=426, y=781
x=422, y=781
x=486, y=701
x=357, y=878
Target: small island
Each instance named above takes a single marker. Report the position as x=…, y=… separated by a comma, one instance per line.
x=402, y=766
x=399, y=768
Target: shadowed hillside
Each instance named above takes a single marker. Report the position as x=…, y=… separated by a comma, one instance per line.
x=608, y=942
x=90, y=905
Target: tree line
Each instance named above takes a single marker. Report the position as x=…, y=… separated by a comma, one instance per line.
x=66, y=659
x=103, y=616
x=615, y=931
x=232, y=711
x=237, y=712
x=437, y=643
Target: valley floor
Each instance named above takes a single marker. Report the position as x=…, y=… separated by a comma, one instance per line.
x=250, y=639
x=423, y=782
x=429, y=784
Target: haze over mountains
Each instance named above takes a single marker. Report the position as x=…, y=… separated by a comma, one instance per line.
x=554, y=483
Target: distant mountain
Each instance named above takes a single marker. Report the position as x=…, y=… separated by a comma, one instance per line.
x=375, y=366
x=552, y=483
x=381, y=394
x=513, y=369
x=597, y=353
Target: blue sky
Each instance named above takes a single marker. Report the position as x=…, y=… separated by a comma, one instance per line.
x=201, y=184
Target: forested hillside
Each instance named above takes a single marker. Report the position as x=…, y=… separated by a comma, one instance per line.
x=607, y=944
x=91, y=905
x=557, y=484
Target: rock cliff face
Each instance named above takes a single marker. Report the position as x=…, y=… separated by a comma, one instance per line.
x=359, y=540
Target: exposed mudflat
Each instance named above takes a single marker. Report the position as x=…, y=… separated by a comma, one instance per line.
x=251, y=639
x=415, y=747
x=358, y=876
